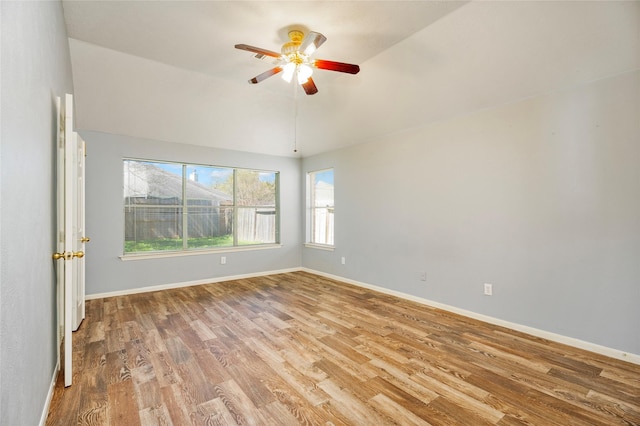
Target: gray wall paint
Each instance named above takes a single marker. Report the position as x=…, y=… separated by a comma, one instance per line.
x=106, y=272
x=541, y=198
x=35, y=69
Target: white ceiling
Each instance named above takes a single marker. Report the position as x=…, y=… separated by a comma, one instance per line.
x=167, y=70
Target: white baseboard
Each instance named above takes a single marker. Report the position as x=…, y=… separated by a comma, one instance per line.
x=558, y=338
x=186, y=284
x=47, y=402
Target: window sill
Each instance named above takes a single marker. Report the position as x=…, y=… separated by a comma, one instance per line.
x=160, y=254
x=320, y=246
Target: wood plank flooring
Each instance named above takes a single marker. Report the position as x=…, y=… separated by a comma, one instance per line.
x=299, y=349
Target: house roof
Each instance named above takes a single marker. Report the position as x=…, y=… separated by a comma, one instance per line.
x=145, y=180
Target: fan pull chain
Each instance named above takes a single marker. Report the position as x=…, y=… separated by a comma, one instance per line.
x=295, y=118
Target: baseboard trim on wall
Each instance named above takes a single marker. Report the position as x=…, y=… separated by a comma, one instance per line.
x=558, y=338
x=186, y=284
x=47, y=402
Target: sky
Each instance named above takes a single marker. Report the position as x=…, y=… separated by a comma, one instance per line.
x=324, y=176
x=208, y=175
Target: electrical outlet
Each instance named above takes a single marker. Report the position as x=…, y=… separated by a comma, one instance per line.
x=488, y=289
x=223, y=260
x=423, y=276
x=343, y=260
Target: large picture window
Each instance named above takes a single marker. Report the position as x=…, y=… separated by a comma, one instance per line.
x=176, y=207
x=320, y=207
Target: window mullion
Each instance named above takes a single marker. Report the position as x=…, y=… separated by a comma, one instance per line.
x=235, y=207
x=277, y=207
x=312, y=201
x=185, y=222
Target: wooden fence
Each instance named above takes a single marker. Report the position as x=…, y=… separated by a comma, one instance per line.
x=160, y=221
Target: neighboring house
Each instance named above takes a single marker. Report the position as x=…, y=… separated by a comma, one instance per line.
x=153, y=204
x=146, y=180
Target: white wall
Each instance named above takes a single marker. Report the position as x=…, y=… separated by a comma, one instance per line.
x=107, y=273
x=35, y=69
x=123, y=94
x=539, y=198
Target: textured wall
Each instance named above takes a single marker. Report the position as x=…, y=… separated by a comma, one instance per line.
x=35, y=69
x=539, y=198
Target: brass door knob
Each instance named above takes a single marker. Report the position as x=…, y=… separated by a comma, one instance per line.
x=67, y=255
x=57, y=256
x=85, y=239
x=78, y=254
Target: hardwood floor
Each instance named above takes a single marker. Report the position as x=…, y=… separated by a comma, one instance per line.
x=297, y=348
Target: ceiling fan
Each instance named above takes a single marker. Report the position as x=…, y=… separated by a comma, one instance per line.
x=295, y=59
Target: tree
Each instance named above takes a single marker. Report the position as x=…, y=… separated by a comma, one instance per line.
x=250, y=189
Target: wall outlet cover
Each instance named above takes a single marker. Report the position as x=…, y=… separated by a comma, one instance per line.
x=488, y=289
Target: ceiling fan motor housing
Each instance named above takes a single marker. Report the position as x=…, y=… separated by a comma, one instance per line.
x=291, y=49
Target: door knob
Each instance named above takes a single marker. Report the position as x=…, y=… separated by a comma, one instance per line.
x=57, y=256
x=85, y=239
x=78, y=254
x=66, y=255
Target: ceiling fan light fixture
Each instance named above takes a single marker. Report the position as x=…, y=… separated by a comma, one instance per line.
x=304, y=72
x=294, y=59
x=288, y=71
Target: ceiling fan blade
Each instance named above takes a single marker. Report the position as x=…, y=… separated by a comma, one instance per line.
x=336, y=66
x=309, y=87
x=258, y=50
x=311, y=42
x=268, y=59
x=257, y=79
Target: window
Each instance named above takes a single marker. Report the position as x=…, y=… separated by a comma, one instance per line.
x=176, y=207
x=320, y=207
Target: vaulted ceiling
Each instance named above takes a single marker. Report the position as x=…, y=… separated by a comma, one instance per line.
x=168, y=70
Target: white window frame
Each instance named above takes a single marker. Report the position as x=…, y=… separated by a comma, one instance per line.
x=235, y=207
x=312, y=209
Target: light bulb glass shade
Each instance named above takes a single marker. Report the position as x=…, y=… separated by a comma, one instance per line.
x=304, y=72
x=288, y=71
x=302, y=79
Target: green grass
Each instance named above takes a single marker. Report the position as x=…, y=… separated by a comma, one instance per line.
x=176, y=244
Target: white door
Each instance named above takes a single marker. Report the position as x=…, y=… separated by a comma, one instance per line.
x=79, y=239
x=71, y=238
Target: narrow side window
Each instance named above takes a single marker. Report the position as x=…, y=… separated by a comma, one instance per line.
x=321, y=207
